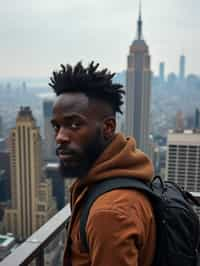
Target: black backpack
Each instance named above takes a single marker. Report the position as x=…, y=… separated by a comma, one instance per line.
x=178, y=227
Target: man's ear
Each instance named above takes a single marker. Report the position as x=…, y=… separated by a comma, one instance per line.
x=109, y=127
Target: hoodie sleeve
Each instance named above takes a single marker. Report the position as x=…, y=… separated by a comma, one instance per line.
x=114, y=238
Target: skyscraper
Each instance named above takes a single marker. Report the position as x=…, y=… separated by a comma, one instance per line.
x=162, y=71
x=48, y=130
x=138, y=90
x=30, y=204
x=182, y=68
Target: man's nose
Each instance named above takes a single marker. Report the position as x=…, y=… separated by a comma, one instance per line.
x=63, y=135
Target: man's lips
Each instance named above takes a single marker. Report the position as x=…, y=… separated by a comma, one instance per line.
x=66, y=156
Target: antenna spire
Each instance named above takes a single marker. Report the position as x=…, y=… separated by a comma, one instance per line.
x=140, y=9
x=140, y=22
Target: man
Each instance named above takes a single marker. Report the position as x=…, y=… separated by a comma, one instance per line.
x=120, y=227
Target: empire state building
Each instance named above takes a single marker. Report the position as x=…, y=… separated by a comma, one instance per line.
x=138, y=90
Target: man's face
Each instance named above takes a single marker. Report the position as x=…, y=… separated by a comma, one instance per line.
x=78, y=133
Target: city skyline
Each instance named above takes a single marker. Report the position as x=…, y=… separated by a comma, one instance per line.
x=37, y=36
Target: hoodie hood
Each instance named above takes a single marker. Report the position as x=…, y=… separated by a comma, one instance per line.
x=121, y=158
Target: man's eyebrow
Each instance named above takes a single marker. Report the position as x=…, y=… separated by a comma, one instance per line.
x=68, y=117
x=72, y=115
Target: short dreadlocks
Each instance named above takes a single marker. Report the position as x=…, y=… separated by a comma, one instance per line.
x=90, y=81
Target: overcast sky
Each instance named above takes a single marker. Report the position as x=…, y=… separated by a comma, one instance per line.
x=37, y=35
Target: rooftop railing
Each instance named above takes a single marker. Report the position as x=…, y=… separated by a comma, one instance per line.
x=33, y=249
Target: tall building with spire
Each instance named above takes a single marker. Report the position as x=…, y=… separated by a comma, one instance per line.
x=138, y=90
x=32, y=203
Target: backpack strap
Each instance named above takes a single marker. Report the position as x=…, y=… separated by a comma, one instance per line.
x=102, y=187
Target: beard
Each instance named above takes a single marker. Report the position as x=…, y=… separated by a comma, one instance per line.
x=72, y=172
x=87, y=158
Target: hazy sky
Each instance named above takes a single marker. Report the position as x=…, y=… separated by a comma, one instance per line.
x=37, y=35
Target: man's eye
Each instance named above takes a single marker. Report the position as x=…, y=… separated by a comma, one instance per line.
x=75, y=125
x=55, y=127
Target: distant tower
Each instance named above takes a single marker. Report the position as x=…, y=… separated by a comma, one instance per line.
x=138, y=90
x=197, y=119
x=182, y=68
x=179, y=121
x=162, y=71
x=48, y=130
x=27, y=187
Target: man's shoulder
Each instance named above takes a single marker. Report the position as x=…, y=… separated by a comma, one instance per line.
x=124, y=201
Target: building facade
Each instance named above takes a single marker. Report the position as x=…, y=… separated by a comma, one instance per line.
x=21, y=218
x=138, y=91
x=183, y=159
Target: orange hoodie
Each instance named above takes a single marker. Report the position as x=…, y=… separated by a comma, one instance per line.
x=120, y=226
